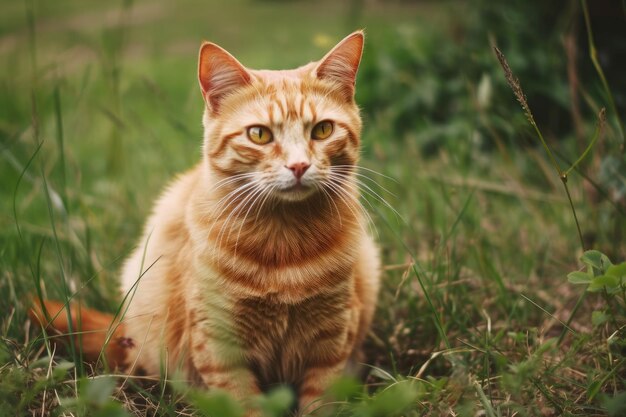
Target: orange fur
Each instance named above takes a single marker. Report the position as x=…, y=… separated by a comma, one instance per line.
x=249, y=274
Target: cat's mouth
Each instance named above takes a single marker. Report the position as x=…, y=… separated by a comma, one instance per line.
x=296, y=187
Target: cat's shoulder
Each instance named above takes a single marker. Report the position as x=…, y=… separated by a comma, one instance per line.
x=178, y=192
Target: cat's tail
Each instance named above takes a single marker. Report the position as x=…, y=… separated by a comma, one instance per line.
x=97, y=335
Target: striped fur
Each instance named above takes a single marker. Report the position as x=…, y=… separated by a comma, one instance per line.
x=240, y=280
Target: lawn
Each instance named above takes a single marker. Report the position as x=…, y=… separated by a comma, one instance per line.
x=100, y=108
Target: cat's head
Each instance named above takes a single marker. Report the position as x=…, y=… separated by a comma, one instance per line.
x=287, y=134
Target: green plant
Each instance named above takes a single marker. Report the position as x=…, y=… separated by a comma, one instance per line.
x=601, y=274
x=95, y=399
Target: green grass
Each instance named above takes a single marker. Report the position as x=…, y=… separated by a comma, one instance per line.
x=100, y=108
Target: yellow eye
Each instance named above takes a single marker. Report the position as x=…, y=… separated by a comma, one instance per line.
x=322, y=130
x=260, y=135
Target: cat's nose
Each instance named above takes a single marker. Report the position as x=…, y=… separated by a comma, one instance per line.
x=299, y=168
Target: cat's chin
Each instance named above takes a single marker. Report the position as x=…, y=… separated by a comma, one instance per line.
x=296, y=193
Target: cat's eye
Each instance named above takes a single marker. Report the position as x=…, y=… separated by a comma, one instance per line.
x=322, y=130
x=260, y=135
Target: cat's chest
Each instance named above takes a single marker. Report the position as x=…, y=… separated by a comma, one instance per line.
x=240, y=276
x=277, y=336
x=268, y=317
x=275, y=332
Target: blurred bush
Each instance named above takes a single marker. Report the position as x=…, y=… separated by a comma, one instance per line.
x=444, y=91
x=440, y=82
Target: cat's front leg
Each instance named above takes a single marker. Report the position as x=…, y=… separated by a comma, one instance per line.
x=317, y=379
x=327, y=361
x=221, y=366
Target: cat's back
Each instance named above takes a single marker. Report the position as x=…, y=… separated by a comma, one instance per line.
x=165, y=231
x=154, y=276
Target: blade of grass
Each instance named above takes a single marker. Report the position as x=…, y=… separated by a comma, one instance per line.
x=597, y=387
x=418, y=274
x=32, y=38
x=543, y=389
x=596, y=135
x=601, y=190
x=565, y=325
x=60, y=261
x=22, y=175
x=60, y=142
x=119, y=315
x=593, y=54
x=489, y=411
x=458, y=218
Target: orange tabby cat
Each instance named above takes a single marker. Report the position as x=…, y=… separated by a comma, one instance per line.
x=255, y=268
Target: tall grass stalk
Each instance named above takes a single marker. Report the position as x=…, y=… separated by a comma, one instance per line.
x=593, y=55
x=563, y=175
x=521, y=97
x=114, y=43
x=51, y=197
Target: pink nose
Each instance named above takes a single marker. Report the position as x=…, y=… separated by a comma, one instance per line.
x=299, y=168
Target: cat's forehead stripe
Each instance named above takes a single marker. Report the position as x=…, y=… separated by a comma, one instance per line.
x=312, y=109
x=278, y=102
x=289, y=100
x=289, y=107
x=301, y=106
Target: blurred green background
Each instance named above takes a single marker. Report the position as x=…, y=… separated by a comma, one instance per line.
x=100, y=108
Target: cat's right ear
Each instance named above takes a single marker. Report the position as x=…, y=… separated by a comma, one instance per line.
x=341, y=64
x=219, y=74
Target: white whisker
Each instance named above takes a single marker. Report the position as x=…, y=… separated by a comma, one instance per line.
x=340, y=186
x=209, y=206
x=249, y=188
x=267, y=196
x=263, y=189
x=346, y=198
x=225, y=181
x=364, y=187
x=362, y=176
x=236, y=210
x=330, y=200
x=230, y=198
x=366, y=169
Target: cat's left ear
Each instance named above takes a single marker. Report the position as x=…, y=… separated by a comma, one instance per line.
x=220, y=74
x=341, y=64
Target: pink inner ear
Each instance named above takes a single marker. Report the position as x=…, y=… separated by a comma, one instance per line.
x=341, y=64
x=219, y=74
